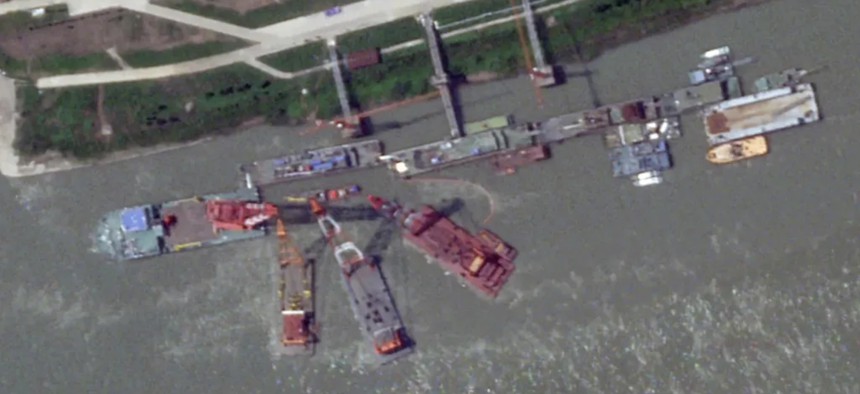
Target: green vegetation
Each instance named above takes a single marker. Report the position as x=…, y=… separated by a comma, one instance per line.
x=15, y=21
x=147, y=58
x=381, y=36
x=172, y=110
x=259, y=17
x=468, y=9
x=299, y=58
x=186, y=108
x=56, y=64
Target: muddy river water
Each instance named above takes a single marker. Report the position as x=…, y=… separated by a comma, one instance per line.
x=737, y=279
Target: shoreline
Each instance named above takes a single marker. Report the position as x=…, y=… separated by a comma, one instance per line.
x=12, y=165
x=11, y=162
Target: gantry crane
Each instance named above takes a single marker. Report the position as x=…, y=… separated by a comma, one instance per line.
x=296, y=294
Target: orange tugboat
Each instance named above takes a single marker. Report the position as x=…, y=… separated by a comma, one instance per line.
x=238, y=215
x=484, y=261
x=733, y=151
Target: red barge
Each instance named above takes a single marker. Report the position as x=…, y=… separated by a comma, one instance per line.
x=484, y=261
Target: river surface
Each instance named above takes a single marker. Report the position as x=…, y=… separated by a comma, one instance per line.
x=735, y=279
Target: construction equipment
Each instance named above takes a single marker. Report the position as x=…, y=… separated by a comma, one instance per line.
x=296, y=295
x=371, y=300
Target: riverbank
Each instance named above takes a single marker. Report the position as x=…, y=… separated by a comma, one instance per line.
x=188, y=108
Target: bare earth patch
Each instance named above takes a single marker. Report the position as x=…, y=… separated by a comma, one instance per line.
x=99, y=31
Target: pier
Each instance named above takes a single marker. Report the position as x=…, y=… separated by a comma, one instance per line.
x=542, y=73
x=441, y=80
x=351, y=124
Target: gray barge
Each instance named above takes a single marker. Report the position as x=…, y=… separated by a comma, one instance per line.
x=315, y=162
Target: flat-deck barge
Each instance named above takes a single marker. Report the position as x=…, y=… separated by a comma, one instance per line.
x=315, y=162
x=761, y=113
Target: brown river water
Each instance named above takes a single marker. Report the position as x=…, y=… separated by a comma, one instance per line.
x=735, y=279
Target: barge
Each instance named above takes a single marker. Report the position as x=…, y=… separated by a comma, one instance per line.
x=485, y=262
x=296, y=295
x=634, y=133
x=508, y=163
x=157, y=229
x=641, y=162
x=372, y=302
x=326, y=195
x=761, y=113
x=315, y=162
x=441, y=154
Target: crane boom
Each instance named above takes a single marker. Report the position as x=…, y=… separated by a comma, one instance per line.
x=295, y=292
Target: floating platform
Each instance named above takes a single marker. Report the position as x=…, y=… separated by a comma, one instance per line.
x=508, y=163
x=634, y=133
x=441, y=154
x=156, y=229
x=315, y=162
x=694, y=97
x=372, y=304
x=632, y=160
x=761, y=113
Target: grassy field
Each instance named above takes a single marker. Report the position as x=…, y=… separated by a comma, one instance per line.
x=381, y=36
x=172, y=110
x=186, y=108
x=179, y=54
x=299, y=58
x=259, y=17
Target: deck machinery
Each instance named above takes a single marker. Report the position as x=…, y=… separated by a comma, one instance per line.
x=371, y=299
x=296, y=296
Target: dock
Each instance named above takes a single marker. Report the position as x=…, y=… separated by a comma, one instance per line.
x=761, y=113
x=351, y=125
x=542, y=73
x=441, y=80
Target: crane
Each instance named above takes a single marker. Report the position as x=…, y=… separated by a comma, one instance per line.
x=295, y=292
x=370, y=299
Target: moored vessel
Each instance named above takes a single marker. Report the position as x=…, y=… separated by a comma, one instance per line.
x=738, y=150
x=156, y=229
x=485, y=261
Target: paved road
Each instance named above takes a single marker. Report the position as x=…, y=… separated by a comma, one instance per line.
x=294, y=33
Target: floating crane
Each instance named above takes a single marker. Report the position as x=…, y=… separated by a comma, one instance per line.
x=296, y=294
x=370, y=298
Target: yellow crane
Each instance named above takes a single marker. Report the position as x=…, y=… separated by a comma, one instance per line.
x=295, y=292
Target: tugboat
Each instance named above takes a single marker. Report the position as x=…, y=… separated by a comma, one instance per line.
x=733, y=151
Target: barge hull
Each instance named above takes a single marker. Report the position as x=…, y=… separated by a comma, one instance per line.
x=761, y=113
